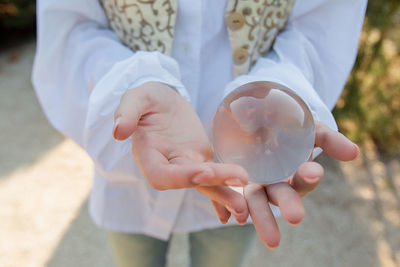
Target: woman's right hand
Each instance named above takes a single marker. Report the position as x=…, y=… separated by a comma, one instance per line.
x=172, y=149
x=169, y=142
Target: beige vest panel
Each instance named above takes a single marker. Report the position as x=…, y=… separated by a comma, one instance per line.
x=146, y=25
x=149, y=25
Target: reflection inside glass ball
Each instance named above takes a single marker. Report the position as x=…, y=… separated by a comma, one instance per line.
x=266, y=128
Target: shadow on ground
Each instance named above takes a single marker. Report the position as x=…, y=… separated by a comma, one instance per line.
x=25, y=133
x=386, y=204
x=331, y=233
x=82, y=245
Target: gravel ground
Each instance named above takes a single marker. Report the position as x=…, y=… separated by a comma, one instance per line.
x=353, y=218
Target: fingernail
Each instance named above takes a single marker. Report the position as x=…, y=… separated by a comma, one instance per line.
x=230, y=209
x=116, y=123
x=234, y=182
x=271, y=247
x=198, y=179
x=233, y=211
x=312, y=179
x=357, y=147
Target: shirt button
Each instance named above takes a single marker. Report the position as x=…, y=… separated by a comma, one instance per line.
x=240, y=56
x=235, y=21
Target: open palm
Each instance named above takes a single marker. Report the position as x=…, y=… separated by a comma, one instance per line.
x=168, y=140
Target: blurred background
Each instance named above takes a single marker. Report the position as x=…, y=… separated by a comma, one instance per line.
x=353, y=217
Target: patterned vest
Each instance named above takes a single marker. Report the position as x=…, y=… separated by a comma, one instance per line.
x=149, y=25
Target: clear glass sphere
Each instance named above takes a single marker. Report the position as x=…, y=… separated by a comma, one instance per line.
x=266, y=128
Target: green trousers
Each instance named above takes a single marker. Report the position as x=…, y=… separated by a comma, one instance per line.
x=220, y=247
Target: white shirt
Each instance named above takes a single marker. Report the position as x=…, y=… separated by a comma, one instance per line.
x=82, y=69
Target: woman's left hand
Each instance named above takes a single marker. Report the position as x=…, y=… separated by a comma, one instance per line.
x=287, y=195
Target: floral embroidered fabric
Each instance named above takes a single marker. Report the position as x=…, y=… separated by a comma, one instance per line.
x=146, y=25
x=263, y=19
x=149, y=25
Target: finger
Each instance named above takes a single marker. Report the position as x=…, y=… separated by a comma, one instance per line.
x=222, y=212
x=222, y=174
x=307, y=178
x=171, y=176
x=284, y=196
x=225, y=174
x=261, y=214
x=163, y=175
x=127, y=116
x=334, y=143
x=233, y=201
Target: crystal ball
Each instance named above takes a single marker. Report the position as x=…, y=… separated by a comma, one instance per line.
x=265, y=128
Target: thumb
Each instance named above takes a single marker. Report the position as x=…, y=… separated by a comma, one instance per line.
x=334, y=143
x=128, y=114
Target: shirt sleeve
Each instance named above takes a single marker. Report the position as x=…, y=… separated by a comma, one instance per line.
x=80, y=72
x=314, y=53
